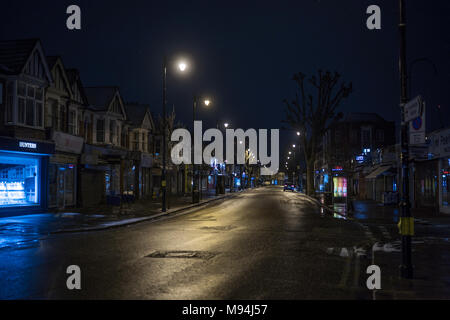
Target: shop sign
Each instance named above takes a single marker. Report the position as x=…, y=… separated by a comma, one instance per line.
x=62, y=158
x=67, y=143
x=440, y=144
x=27, y=145
x=12, y=144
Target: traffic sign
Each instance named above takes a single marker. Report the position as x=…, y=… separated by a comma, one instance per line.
x=417, y=128
x=413, y=109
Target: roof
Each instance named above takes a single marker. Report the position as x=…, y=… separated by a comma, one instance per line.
x=14, y=54
x=362, y=117
x=73, y=75
x=100, y=97
x=136, y=112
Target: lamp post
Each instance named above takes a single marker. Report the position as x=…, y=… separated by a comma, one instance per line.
x=182, y=67
x=196, y=179
x=406, y=269
x=163, y=174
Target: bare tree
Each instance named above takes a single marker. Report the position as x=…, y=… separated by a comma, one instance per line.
x=314, y=116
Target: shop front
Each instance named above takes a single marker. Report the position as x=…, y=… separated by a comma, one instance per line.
x=23, y=175
x=63, y=170
x=439, y=151
x=444, y=196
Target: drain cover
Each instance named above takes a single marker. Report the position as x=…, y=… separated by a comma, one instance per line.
x=182, y=254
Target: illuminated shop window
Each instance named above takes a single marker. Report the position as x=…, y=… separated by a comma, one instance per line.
x=19, y=181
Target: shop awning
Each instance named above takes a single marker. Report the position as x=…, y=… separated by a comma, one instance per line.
x=375, y=173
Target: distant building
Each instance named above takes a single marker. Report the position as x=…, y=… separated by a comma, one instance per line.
x=347, y=146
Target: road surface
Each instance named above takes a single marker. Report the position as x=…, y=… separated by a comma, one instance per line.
x=260, y=244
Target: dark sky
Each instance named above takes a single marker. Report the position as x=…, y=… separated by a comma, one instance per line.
x=243, y=53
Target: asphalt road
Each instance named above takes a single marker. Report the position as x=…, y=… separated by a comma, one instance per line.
x=260, y=244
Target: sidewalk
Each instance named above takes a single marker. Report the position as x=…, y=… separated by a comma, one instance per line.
x=430, y=249
x=23, y=231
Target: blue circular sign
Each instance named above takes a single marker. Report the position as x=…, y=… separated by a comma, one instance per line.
x=417, y=123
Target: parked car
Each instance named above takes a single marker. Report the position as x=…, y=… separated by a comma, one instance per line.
x=289, y=186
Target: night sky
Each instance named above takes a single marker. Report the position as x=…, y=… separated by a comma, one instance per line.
x=243, y=53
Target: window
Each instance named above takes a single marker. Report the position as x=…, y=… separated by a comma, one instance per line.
x=136, y=141
x=30, y=112
x=71, y=122
x=87, y=131
x=30, y=104
x=380, y=135
x=100, y=130
x=39, y=114
x=21, y=111
x=10, y=102
x=55, y=114
x=124, y=138
x=143, y=141
x=112, y=131
x=62, y=118
x=149, y=143
x=365, y=137
x=157, y=146
x=19, y=181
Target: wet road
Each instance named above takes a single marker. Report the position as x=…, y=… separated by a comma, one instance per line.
x=260, y=244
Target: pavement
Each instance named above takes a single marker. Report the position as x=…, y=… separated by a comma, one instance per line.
x=430, y=248
x=260, y=244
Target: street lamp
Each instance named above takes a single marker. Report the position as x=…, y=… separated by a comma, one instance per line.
x=298, y=133
x=225, y=125
x=182, y=67
x=196, y=177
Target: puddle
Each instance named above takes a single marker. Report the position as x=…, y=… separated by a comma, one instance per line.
x=19, y=236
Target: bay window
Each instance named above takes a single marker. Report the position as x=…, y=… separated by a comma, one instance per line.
x=100, y=130
x=112, y=131
x=71, y=122
x=29, y=105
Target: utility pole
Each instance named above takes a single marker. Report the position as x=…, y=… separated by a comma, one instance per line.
x=406, y=221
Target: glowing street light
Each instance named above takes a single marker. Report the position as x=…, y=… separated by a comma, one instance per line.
x=293, y=146
x=298, y=133
x=182, y=66
x=207, y=102
x=225, y=125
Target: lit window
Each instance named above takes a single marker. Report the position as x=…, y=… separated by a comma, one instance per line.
x=19, y=181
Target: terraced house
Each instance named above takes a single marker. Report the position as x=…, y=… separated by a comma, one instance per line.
x=63, y=144
x=24, y=148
